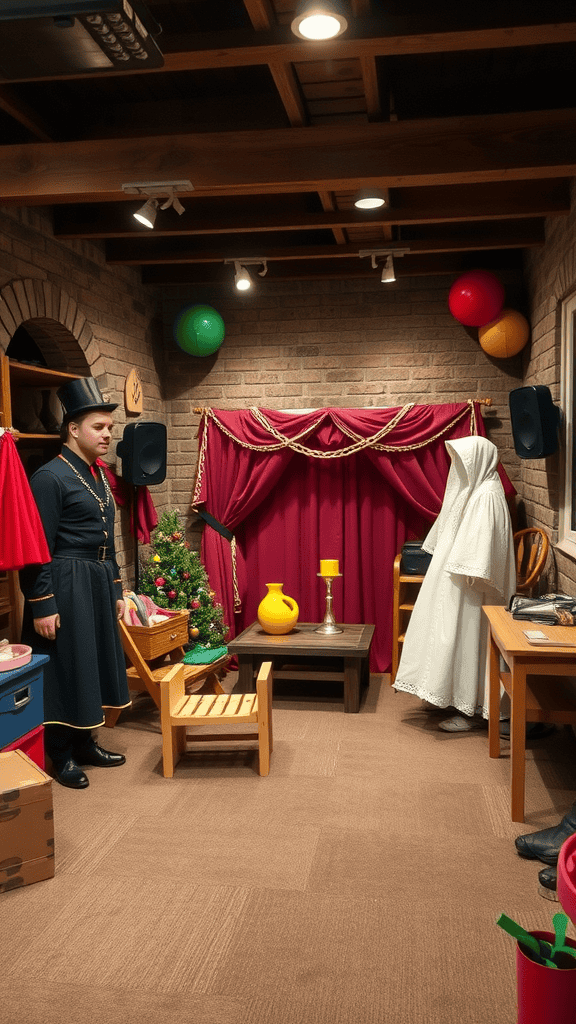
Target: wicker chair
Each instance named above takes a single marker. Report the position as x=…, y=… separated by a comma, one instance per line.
x=531, y=547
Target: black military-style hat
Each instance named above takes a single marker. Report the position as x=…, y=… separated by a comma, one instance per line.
x=83, y=395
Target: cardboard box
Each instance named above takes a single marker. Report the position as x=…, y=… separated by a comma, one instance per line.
x=26, y=822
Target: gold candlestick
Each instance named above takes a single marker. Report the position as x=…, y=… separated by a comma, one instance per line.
x=329, y=626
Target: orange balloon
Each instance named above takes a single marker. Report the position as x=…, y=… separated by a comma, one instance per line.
x=505, y=336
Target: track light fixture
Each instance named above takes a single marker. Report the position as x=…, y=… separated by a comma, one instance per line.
x=388, y=273
x=146, y=214
x=369, y=199
x=242, y=279
x=319, y=19
x=156, y=191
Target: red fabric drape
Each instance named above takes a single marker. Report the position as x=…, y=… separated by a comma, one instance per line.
x=22, y=538
x=143, y=510
x=287, y=509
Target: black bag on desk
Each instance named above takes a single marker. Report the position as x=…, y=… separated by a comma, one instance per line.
x=415, y=561
x=550, y=610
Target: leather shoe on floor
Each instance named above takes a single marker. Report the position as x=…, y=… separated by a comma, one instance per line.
x=545, y=845
x=548, y=877
x=99, y=758
x=71, y=775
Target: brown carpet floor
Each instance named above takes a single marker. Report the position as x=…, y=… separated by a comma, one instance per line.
x=359, y=882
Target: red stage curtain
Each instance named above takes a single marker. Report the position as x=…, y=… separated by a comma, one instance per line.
x=274, y=480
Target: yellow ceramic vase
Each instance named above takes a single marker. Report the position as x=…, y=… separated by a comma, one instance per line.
x=277, y=613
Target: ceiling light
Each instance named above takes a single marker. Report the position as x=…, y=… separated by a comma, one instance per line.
x=242, y=278
x=319, y=20
x=369, y=199
x=388, y=271
x=146, y=214
x=156, y=191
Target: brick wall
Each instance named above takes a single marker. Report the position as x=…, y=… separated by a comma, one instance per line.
x=86, y=317
x=287, y=345
x=331, y=343
x=551, y=277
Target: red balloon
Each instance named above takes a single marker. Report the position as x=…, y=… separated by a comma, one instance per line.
x=476, y=298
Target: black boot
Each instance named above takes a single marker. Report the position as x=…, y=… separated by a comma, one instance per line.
x=548, y=878
x=87, y=751
x=545, y=845
x=59, y=744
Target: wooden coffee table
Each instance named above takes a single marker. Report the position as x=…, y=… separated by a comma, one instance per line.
x=254, y=646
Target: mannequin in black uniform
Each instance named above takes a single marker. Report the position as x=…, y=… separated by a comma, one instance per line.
x=73, y=602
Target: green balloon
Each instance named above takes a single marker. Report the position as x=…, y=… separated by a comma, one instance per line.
x=199, y=330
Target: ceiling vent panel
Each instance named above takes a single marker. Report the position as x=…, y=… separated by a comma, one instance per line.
x=46, y=38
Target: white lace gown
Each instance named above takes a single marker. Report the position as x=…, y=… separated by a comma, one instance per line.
x=444, y=655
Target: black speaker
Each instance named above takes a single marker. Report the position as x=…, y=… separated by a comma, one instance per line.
x=535, y=422
x=143, y=453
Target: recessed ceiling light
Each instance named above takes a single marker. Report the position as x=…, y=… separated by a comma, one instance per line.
x=369, y=199
x=319, y=19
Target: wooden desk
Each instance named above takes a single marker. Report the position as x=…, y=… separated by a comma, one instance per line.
x=254, y=646
x=534, y=695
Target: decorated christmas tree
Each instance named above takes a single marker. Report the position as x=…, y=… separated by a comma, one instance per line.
x=175, y=578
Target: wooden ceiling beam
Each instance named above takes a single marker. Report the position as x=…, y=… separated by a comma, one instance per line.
x=371, y=89
x=289, y=92
x=436, y=205
x=261, y=14
x=460, y=150
x=408, y=266
x=146, y=251
x=240, y=48
x=22, y=112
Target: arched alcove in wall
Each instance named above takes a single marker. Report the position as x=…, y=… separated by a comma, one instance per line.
x=52, y=320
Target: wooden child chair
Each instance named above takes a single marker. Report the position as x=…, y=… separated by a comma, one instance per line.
x=179, y=710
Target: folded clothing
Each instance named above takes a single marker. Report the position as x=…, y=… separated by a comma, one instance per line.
x=140, y=610
x=204, y=655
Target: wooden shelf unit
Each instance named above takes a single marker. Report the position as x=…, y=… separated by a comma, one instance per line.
x=406, y=589
x=14, y=374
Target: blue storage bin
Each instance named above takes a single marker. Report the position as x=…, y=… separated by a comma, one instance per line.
x=22, y=699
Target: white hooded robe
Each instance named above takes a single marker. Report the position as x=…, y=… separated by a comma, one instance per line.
x=444, y=656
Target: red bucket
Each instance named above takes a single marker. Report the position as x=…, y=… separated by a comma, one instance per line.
x=545, y=995
x=567, y=878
